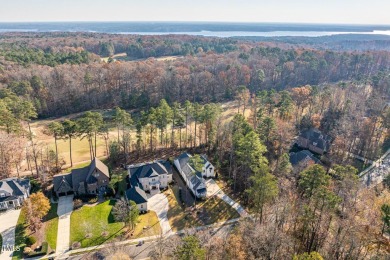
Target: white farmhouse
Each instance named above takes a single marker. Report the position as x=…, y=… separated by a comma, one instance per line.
x=194, y=180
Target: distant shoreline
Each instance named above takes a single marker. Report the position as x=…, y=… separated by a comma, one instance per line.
x=198, y=28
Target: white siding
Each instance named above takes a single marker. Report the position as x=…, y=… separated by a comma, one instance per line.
x=143, y=206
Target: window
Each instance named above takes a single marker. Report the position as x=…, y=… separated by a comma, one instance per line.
x=2, y=194
x=142, y=206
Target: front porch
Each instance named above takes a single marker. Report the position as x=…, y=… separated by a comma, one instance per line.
x=10, y=203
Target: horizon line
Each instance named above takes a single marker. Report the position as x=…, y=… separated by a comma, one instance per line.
x=216, y=22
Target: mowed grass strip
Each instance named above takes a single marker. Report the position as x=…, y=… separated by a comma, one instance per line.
x=100, y=219
x=20, y=236
x=51, y=226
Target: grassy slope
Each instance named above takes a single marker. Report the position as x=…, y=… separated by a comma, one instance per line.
x=20, y=236
x=51, y=226
x=102, y=213
x=95, y=215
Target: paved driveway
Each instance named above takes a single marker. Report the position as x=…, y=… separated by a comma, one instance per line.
x=159, y=204
x=8, y=222
x=64, y=210
x=214, y=189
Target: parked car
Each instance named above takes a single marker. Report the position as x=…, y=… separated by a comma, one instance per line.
x=140, y=243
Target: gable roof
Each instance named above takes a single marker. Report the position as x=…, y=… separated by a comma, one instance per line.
x=137, y=195
x=96, y=164
x=15, y=186
x=77, y=176
x=194, y=177
x=151, y=169
x=302, y=156
x=62, y=182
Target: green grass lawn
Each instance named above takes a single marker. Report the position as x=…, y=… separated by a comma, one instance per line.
x=20, y=236
x=96, y=216
x=101, y=213
x=51, y=226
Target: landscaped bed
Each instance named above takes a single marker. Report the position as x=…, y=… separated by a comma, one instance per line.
x=50, y=225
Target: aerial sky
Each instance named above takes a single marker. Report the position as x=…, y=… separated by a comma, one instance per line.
x=294, y=11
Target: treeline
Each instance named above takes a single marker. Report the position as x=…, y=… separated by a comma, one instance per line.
x=205, y=77
x=135, y=46
x=25, y=56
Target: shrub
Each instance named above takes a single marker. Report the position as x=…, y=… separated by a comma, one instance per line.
x=77, y=203
x=85, y=197
x=27, y=250
x=42, y=252
x=30, y=240
x=76, y=245
x=93, y=200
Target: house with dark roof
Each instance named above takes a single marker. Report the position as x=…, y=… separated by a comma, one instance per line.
x=193, y=179
x=138, y=195
x=303, y=158
x=92, y=179
x=13, y=192
x=150, y=176
x=314, y=140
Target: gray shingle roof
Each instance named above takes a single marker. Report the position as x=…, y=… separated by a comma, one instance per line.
x=63, y=181
x=151, y=169
x=15, y=186
x=301, y=156
x=137, y=195
x=317, y=139
x=82, y=175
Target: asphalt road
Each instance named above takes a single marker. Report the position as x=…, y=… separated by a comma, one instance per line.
x=142, y=252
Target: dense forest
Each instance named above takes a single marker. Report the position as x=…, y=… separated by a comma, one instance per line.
x=210, y=70
x=165, y=106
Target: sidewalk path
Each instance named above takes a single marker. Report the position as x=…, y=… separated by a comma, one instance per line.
x=159, y=204
x=64, y=210
x=8, y=221
x=213, y=189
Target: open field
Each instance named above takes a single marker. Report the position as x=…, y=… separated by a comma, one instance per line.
x=80, y=148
